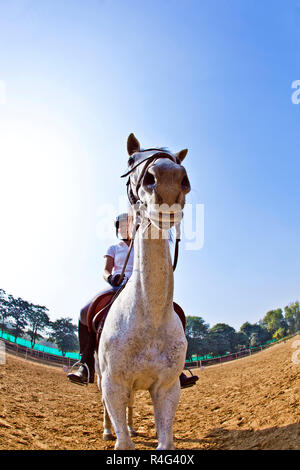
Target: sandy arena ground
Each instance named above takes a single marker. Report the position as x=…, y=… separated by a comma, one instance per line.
x=251, y=403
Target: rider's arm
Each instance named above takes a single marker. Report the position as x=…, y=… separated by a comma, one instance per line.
x=108, y=267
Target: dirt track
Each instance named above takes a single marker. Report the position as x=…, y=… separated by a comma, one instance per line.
x=251, y=403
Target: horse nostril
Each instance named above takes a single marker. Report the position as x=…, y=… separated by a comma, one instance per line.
x=185, y=184
x=149, y=179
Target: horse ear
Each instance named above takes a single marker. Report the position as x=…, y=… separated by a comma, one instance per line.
x=133, y=144
x=182, y=154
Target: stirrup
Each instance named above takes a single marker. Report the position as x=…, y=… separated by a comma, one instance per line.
x=78, y=363
x=189, y=370
x=192, y=375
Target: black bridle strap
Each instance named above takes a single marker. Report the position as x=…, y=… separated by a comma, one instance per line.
x=127, y=256
x=176, y=254
x=133, y=199
x=157, y=154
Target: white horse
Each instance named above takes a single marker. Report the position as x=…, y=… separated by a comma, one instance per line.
x=143, y=345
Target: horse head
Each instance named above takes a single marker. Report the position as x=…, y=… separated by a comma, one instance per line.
x=157, y=181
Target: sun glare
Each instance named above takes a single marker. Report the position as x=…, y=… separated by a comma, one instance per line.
x=38, y=193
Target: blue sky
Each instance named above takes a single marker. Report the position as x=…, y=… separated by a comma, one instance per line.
x=211, y=76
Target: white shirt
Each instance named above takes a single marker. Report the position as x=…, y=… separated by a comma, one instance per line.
x=118, y=253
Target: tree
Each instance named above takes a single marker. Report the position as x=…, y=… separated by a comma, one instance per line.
x=218, y=343
x=18, y=309
x=274, y=320
x=292, y=317
x=241, y=340
x=257, y=333
x=247, y=329
x=254, y=340
x=38, y=320
x=4, y=310
x=279, y=333
x=63, y=333
x=223, y=338
x=196, y=332
x=192, y=348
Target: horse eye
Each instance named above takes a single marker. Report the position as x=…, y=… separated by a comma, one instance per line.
x=130, y=161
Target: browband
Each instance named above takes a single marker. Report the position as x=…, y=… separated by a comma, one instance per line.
x=156, y=154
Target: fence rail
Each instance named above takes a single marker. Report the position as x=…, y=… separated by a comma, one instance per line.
x=37, y=356
x=235, y=355
x=60, y=361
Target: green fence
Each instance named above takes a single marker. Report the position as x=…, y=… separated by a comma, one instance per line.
x=250, y=348
x=72, y=355
x=38, y=347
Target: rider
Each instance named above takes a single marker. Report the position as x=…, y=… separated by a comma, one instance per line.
x=114, y=262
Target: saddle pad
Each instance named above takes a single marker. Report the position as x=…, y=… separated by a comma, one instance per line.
x=98, y=304
x=180, y=313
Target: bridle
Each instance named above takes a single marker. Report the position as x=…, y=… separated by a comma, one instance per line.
x=134, y=199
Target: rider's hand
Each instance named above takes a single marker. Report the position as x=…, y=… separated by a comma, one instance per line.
x=114, y=279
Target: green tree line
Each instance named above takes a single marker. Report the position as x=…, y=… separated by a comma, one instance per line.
x=222, y=338
x=32, y=320
x=27, y=319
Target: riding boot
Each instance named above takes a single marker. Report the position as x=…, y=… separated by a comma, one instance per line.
x=186, y=382
x=87, y=344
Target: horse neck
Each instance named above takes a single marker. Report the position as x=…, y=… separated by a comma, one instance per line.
x=153, y=272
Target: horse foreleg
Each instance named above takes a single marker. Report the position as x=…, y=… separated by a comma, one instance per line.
x=107, y=431
x=107, y=427
x=165, y=402
x=132, y=432
x=115, y=400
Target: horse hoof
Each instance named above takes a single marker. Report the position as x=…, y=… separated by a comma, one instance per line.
x=108, y=437
x=124, y=446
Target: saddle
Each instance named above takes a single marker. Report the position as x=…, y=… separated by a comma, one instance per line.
x=99, y=308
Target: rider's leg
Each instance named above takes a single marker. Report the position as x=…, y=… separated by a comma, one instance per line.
x=87, y=344
x=184, y=380
x=87, y=341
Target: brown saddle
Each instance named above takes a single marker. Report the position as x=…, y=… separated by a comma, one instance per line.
x=99, y=308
